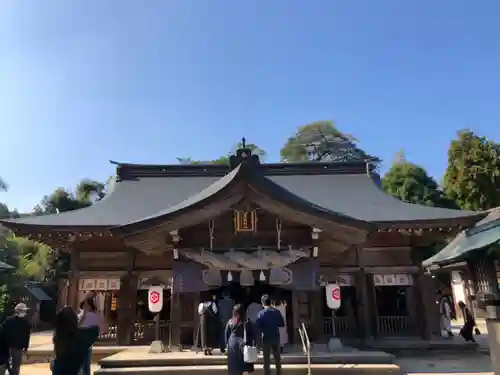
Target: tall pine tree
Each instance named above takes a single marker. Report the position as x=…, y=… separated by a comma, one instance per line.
x=472, y=178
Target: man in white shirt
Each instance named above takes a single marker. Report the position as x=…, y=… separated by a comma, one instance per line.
x=445, y=315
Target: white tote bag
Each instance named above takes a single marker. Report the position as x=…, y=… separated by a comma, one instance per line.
x=249, y=352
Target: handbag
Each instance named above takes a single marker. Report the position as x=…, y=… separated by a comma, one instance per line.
x=250, y=354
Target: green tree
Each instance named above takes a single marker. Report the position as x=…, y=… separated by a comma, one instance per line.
x=224, y=160
x=61, y=200
x=86, y=193
x=90, y=190
x=4, y=211
x=3, y=185
x=322, y=141
x=31, y=258
x=472, y=178
x=411, y=183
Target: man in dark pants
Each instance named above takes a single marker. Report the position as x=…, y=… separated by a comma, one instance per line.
x=226, y=305
x=17, y=331
x=269, y=320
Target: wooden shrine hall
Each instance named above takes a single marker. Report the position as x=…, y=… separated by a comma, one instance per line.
x=244, y=229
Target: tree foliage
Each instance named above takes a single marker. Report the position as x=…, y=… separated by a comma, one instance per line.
x=61, y=200
x=411, y=183
x=322, y=141
x=29, y=257
x=472, y=178
x=3, y=185
x=90, y=191
x=224, y=160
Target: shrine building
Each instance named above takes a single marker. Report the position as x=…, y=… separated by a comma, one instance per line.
x=286, y=229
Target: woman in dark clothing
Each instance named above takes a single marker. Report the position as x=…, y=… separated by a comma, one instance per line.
x=469, y=323
x=236, y=328
x=71, y=344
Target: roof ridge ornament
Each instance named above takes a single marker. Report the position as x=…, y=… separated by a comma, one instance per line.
x=243, y=155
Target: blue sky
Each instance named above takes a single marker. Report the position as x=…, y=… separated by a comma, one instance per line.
x=86, y=81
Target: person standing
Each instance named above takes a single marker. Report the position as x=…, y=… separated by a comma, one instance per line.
x=281, y=307
x=253, y=311
x=209, y=325
x=445, y=314
x=89, y=317
x=226, y=305
x=238, y=333
x=71, y=343
x=269, y=321
x=469, y=323
x=17, y=331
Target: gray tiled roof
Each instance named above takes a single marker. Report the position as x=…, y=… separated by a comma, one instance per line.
x=357, y=196
x=353, y=195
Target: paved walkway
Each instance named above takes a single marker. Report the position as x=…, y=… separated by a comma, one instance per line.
x=457, y=363
x=40, y=338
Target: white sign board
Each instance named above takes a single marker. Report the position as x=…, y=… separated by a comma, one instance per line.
x=155, y=299
x=400, y=279
x=333, y=296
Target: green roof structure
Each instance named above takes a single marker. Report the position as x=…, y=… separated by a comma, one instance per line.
x=484, y=234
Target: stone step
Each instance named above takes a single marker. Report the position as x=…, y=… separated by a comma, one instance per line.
x=337, y=369
x=43, y=354
x=133, y=358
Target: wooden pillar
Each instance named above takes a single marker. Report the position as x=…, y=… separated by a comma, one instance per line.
x=73, y=289
x=296, y=317
x=427, y=311
x=196, y=317
x=73, y=280
x=62, y=295
x=175, y=318
x=317, y=324
x=366, y=308
x=127, y=301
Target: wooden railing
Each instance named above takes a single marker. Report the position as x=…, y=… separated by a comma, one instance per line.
x=145, y=332
x=394, y=326
x=340, y=326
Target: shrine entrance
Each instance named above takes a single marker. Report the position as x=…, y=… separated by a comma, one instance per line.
x=246, y=295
